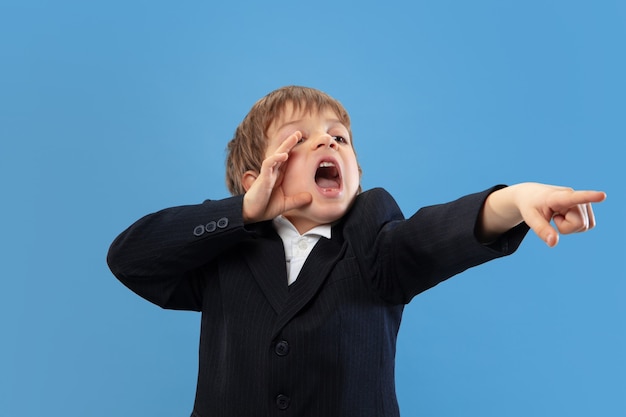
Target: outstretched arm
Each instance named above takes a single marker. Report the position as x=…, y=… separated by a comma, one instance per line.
x=537, y=205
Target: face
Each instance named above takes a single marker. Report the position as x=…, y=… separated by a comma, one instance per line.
x=322, y=163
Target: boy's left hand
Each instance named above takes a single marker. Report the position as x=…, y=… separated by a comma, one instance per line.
x=538, y=204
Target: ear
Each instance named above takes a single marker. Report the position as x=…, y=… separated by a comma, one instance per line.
x=248, y=179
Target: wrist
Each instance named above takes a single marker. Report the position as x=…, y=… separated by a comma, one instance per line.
x=499, y=214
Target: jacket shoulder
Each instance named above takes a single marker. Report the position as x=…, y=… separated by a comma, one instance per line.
x=372, y=209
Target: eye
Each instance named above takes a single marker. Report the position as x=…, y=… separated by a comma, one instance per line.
x=340, y=139
x=302, y=139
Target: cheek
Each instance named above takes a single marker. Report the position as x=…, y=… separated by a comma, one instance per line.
x=353, y=170
x=293, y=170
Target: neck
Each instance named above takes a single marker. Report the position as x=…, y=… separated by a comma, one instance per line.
x=302, y=224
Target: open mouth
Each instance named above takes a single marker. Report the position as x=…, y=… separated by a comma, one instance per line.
x=327, y=175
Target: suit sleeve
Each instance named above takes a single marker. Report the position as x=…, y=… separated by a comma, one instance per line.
x=165, y=257
x=409, y=256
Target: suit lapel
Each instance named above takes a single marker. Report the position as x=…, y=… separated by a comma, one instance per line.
x=268, y=265
x=315, y=270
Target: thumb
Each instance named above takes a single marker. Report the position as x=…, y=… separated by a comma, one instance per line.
x=542, y=228
x=297, y=201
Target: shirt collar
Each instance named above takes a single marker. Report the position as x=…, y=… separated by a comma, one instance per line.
x=286, y=229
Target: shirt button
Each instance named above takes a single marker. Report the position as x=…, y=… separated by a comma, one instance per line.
x=282, y=402
x=302, y=244
x=281, y=348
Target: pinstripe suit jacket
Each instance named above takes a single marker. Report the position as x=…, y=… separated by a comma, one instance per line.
x=324, y=346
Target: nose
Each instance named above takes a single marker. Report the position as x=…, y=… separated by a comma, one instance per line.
x=324, y=141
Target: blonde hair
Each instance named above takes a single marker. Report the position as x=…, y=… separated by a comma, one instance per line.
x=246, y=150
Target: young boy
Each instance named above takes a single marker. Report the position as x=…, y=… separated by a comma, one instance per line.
x=301, y=278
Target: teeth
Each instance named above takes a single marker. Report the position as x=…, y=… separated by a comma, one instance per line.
x=326, y=164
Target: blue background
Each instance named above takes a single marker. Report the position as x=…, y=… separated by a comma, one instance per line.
x=110, y=110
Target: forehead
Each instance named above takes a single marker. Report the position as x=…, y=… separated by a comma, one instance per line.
x=291, y=113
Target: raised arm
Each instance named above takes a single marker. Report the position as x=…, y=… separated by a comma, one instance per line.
x=160, y=256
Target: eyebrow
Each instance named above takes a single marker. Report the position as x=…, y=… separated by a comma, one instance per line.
x=294, y=122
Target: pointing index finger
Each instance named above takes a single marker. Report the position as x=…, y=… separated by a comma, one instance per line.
x=580, y=197
x=588, y=196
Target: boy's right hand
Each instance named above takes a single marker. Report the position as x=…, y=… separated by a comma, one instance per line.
x=264, y=198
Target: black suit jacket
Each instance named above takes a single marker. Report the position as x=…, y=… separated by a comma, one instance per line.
x=324, y=346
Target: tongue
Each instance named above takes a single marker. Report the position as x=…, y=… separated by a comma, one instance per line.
x=327, y=182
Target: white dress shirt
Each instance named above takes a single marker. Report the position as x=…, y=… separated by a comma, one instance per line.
x=297, y=246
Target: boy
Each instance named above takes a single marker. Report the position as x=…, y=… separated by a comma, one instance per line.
x=301, y=278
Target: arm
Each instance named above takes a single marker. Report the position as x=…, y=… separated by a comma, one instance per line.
x=162, y=257
x=403, y=257
x=536, y=205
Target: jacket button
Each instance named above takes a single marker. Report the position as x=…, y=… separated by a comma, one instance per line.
x=282, y=402
x=210, y=227
x=198, y=230
x=222, y=223
x=281, y=348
